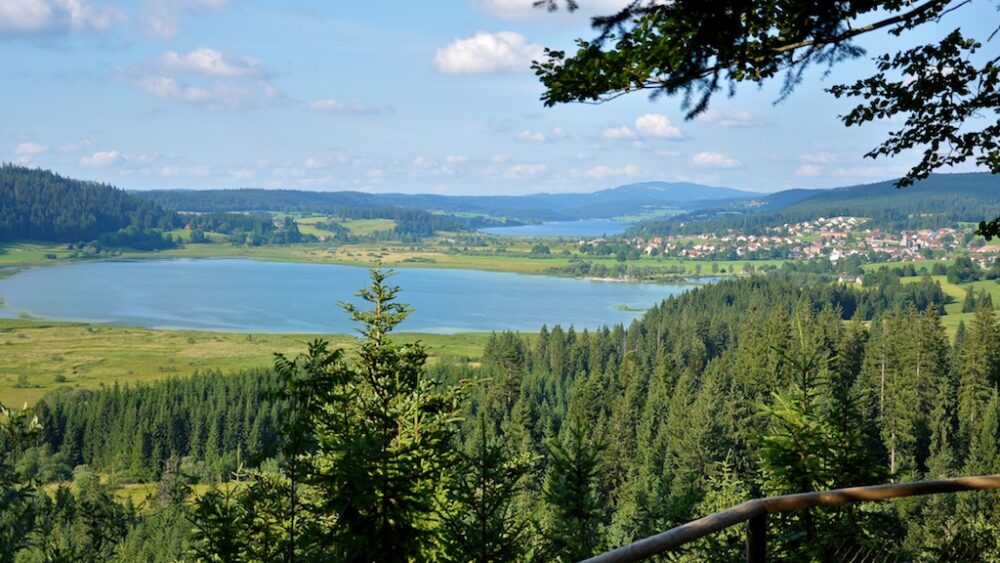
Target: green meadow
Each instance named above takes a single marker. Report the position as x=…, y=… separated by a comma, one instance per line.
x=39, y=357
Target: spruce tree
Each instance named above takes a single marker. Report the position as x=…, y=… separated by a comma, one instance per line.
x=812, y=445
x=18, y=500
x=382, y=440
x=978, y=365
x=481, y=523
x=573, y=527
x=367, y=448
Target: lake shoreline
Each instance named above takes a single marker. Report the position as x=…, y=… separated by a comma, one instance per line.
x=244, y=295
x=321, y=254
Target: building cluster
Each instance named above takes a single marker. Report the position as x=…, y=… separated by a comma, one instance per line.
x=832, y=237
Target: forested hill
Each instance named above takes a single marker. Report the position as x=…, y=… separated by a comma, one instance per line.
x=41, y=205
x=941, y=199
x=624, y=200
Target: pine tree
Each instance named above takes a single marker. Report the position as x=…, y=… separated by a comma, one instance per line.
x=724, y=490
x=382, y=441
x=969, y=303
x=367, y=448
x=978, y=365
x=481, y=523
x=812, y=445
x=18, y=504
x=573, y=527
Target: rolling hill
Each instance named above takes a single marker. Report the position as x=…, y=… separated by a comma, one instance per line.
x=41, y=205
x=939, y=200
x=631, y=199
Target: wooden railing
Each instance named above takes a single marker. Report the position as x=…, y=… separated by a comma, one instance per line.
x=754, y=513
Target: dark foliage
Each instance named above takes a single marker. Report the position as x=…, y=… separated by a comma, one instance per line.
x=40, y=205
x=135, y=430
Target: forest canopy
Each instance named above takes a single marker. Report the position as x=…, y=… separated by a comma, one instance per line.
x=40, y=205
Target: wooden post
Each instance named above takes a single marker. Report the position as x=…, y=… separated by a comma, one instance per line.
x=757, y=539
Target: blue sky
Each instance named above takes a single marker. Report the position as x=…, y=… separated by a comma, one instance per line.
x=390, y=96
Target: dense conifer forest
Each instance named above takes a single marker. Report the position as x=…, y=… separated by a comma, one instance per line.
x=40, y=205
x=557, y=445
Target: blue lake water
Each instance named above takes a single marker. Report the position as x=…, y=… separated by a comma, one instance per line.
x=250, y=296
x=589, y=228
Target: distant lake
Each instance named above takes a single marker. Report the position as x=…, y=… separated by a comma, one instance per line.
x=588, y=228
x=250, y=296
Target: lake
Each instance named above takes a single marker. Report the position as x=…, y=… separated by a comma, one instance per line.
x=250, y=296
x=587, y=228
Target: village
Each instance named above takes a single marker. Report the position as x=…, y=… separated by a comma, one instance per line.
x=834, y=238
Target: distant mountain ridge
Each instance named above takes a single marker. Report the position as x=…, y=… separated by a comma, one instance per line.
x=939, y=200
x=631, y=199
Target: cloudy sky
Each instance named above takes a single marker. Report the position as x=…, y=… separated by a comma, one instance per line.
x=388, y=96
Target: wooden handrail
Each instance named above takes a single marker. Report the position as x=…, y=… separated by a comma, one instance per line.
x=757, y=510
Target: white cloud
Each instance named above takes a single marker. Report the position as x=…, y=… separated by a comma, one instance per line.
x=52, y=16
x=435, y=168
x=330, y=105
x=211, y=78
x=25, y=15
x=212, y=62
x=532, y=136
x=84, y=16
x=729, y=118
x=657, y=125
x=167, y=88
x=100, y=158
x=25, y=151
x=605, y=171
x=522, y=171
x=486, y=53
x=499, y=158
x=808, y=170
x=714, y=160
x=819, y=158
x=313, y=163
x=164, y=16
x=618, y=133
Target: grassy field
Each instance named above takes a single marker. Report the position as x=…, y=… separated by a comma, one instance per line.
x=39, y=357
x=917, y=265
x=32, y=254
x=136, y=493
x=953, y=311
x=432, y=254
x=357, y=227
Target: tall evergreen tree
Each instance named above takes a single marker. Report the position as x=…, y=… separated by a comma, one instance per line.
x=573, y=526
x=382, y=441
x=978, y=365
x=481, y=523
